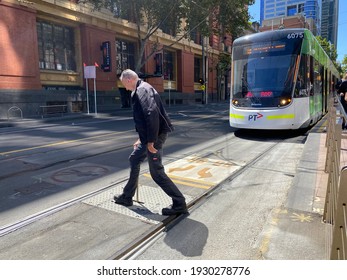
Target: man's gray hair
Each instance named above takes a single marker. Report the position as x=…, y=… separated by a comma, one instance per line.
x=128, y=74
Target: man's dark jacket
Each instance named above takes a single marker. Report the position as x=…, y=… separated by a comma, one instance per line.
x=149, y=114
x=343, y=89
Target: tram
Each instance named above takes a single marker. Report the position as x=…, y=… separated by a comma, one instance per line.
x=280, y=79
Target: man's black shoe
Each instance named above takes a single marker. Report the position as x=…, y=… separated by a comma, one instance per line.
x=121, y=200
x=174, y=211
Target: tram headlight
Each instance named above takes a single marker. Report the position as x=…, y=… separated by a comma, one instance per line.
x=235, y=102
x=285, y=101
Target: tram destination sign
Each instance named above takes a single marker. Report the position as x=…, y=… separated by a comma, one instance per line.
x=264, y=47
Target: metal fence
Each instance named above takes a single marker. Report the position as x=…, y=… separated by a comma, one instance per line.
x=335, y=212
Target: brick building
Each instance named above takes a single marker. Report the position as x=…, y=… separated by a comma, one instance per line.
x=296, y=21
x=45, y=45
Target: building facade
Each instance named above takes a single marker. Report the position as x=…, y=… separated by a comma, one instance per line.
x=277, y=9
x=46, y=45
x=330, y=20
x=297, y=21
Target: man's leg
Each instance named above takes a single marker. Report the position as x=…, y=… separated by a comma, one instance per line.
x=135, y=159
x=160, y=177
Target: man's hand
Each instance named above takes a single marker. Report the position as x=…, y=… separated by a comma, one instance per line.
x=138, y=142
x=150, y=147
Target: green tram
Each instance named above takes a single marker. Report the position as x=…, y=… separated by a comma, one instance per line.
x=280, y=79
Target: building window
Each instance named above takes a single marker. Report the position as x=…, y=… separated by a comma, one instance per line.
x=56, y=46
x=291, y=10
x=169, y=30
x=169, y=65
x=301, y=8
x=125, y=58
x=196, y=37
x=158, y=64
x=197, y=69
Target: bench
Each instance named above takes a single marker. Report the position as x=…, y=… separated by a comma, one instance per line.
x=53, y=109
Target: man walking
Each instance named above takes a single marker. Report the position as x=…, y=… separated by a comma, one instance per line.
x=152, y=124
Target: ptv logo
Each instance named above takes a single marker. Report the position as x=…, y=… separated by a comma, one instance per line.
x=254, y=117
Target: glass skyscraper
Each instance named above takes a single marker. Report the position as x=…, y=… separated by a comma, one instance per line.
x=329, y=23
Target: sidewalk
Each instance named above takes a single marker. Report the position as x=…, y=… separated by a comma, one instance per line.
x=70, y=116
x=298, y=231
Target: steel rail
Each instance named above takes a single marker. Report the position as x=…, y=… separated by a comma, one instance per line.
x=133, y=248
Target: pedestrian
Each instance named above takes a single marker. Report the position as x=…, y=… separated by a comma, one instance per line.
x=342, y=90
x=153, y=125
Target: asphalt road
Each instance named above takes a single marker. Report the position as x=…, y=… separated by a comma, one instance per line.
x=251, y=173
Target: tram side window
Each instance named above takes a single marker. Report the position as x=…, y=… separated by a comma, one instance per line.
x=323, y=80
x=317, y=85
x=302, y=87
x=311, y=78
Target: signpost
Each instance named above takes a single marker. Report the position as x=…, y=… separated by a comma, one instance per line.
x=90, y=73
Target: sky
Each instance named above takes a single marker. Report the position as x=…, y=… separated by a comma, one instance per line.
x=254, y=11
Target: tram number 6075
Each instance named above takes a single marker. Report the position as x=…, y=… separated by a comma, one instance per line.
x=295, y=35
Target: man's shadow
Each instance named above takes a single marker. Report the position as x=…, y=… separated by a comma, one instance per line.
x=189, y=237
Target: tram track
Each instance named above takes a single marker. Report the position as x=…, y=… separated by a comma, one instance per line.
x=75, y=143
x=137, y=245
x=7, y=229
x=134, y=248
x=56, y=163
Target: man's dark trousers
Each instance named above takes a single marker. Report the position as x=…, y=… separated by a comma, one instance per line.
x=156, y=169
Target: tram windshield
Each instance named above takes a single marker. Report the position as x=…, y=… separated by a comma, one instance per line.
x=263, y=79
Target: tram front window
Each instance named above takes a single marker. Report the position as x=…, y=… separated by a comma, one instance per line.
x=263, y=81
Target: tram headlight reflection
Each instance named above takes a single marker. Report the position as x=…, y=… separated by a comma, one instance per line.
x=285, y=101
x=235, y=102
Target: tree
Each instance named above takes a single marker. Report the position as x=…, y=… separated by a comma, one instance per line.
x=329, y=49
x=344, y=65
x=223, y=69
x=205, y=16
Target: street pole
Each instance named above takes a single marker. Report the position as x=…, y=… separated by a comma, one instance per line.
x=206, y=76
x=96, y=111
x=169, y=86
x=203, y=69
x=87, y=93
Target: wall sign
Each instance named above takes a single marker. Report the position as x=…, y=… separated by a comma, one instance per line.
x=106, y=56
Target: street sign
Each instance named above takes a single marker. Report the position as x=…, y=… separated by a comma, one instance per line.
x=89, y=72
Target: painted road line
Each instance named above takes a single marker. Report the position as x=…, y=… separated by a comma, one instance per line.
x=58, y=143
